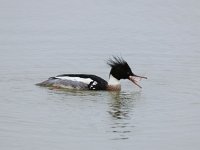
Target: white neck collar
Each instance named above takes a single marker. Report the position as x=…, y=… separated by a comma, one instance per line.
x=113, y=81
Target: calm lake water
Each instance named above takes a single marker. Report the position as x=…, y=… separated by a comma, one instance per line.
x=159, y=39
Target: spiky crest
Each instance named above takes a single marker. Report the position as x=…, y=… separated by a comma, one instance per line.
x=116, y=61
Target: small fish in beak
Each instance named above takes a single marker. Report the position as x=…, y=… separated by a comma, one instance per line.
x=135, y=79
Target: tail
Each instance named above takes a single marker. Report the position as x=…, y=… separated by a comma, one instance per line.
x=47, y=83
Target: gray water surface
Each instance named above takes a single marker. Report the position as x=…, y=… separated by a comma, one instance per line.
x=159, y=39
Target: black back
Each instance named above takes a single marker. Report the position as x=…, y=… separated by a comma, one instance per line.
x=97, y=84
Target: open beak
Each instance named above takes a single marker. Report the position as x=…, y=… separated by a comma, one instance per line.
x=135, y=79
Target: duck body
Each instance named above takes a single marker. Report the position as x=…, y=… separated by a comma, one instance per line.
x=76, y=81
x=119, y=70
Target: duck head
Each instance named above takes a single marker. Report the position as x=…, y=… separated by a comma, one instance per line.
x=121, y=70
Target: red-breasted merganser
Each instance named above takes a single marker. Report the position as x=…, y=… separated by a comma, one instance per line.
x=119, y=70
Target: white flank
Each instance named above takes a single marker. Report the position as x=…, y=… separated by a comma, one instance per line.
x=77, y=79
x=113, y=81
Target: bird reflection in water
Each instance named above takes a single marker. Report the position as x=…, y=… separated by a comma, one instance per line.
x=121, y=108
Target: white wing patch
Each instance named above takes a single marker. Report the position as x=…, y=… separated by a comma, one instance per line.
x=92, y=86
x=77, y=79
